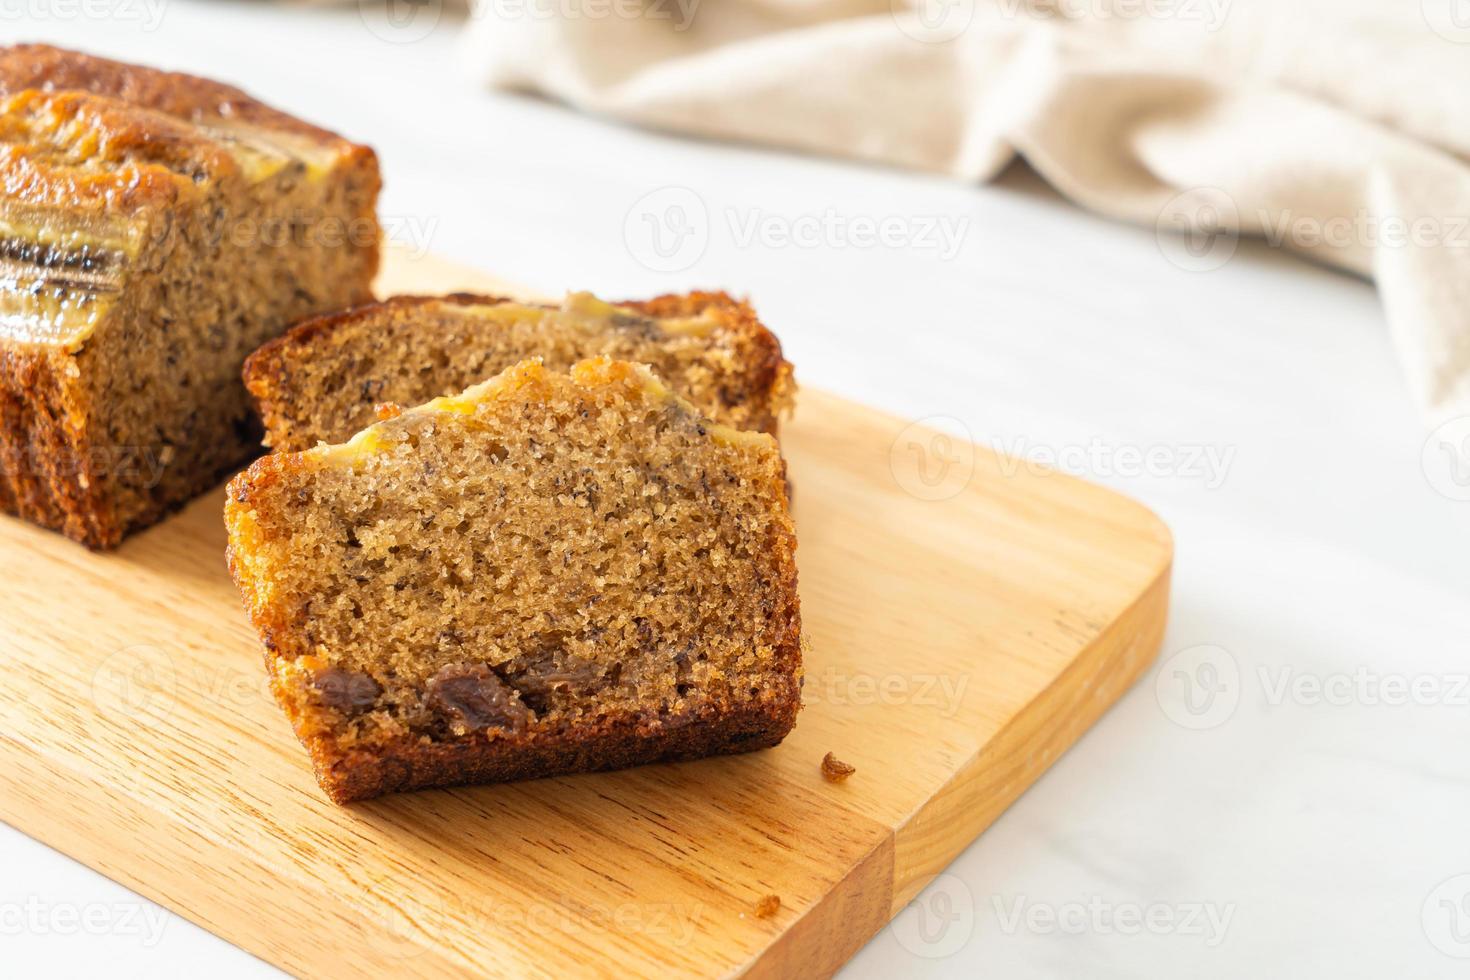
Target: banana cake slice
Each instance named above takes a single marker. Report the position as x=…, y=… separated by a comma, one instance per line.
x=549, y=573
x=321, y=381
x=154, y=230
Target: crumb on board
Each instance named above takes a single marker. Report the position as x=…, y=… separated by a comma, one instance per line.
x=767, y=906
x=834, y=770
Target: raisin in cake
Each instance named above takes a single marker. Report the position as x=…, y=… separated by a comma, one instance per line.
x=321, y=381
x=154, y=230
x=548, y=573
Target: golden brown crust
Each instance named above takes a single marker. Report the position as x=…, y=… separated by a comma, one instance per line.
x=47, y=472
x=162, y=128
x=411, y=764
x=53, y=471
x=263, y=367
x=267, y=362
x=75, y=151
x=187, y=97
x=774, y=371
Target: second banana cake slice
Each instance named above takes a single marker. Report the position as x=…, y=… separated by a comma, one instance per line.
x=549, y=573
x=322, y=380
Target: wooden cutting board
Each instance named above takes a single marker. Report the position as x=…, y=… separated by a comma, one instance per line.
x=968, y=619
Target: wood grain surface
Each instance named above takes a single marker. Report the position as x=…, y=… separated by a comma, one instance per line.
x=969, y=618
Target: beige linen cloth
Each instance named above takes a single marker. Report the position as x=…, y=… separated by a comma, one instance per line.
x=1339, y=128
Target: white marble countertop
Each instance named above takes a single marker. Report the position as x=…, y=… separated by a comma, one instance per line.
x=1310, y=820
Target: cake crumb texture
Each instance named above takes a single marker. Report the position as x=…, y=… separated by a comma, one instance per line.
x=551, y=572
x=320, y=382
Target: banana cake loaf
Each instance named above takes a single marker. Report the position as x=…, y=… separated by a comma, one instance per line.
x=548, y=573
x=321, y=381
x=154, y=229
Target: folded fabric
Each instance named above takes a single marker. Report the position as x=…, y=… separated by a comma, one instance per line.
x=1339, y=129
